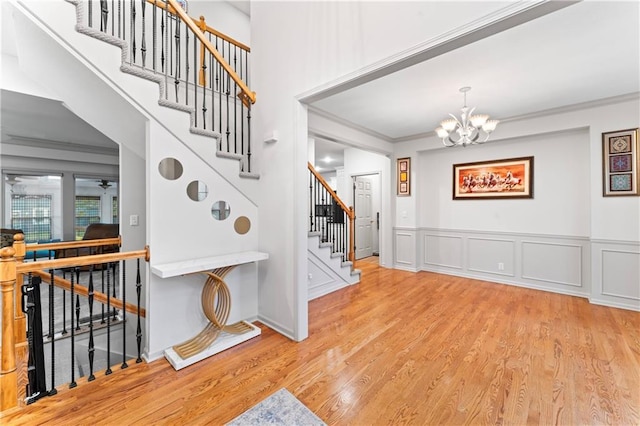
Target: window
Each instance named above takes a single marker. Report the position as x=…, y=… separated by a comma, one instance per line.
x=32, y=214
x=114, y=210
x=87, y=212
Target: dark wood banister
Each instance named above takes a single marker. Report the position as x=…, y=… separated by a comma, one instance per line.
x=246, y=95
x=348, y=210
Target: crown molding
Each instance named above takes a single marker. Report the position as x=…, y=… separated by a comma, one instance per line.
x=347, y=123
x=60, y=145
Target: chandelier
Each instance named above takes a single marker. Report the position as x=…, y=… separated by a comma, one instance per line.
x=470, y=129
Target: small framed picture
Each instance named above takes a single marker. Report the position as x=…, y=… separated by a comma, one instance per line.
x=404, y=176
x=620, y=163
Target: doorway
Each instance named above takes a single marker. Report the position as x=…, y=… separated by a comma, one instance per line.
x=366, y=196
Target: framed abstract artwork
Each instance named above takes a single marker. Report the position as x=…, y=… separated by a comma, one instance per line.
x=404, y=176
x=508, y=178
x=620, y=163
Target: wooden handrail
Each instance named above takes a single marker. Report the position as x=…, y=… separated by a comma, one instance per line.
x=246, y=95
x=75, y=244
x=348, y=210
x=213, y=31
x=84, y=291
x=331, y=191
x=25, y=268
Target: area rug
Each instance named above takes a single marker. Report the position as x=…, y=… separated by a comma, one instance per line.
x=281, y=408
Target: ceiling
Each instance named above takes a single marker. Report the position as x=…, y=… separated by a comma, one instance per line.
x=582, y=53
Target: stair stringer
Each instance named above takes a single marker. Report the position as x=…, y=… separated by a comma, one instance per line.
x=327, y=271
x=158, y=79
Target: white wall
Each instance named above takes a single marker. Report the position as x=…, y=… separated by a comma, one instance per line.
x=223, y=17
x=563, y=239
x=561, y=201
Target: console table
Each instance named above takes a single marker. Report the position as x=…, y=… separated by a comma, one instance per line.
x=216, y=305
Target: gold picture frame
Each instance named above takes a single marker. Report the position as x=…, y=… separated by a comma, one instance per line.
x=507, y=178
x=620, y=163
x=403, y=166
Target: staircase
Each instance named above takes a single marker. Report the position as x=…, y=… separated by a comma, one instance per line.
x=331, y=239
x=157, y=49
x=328, y=271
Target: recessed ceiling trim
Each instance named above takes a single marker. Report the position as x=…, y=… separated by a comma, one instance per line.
x=508, y=17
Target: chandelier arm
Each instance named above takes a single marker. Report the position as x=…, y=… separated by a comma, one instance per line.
x=456, y=119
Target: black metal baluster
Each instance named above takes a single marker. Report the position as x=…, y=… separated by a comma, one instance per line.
x=165, y=47
x=227, y=93
x=176, y=80
x=124, y=22
x=212, y=68
x=113, y=17
x=114, y=267
x=310, y=201
x=155, y=33
x=91, y=343
x=169, y=46
x=235, y=103
x=219, y=90
x=241, y=114
x=187, y=67
x=53, y=390
x=139, y=326
x=162, y=23
x=108, y=370
x=104, y=15
x=119, y=18
x=195, y=81
x=143, y=47
x=77, y=270
x=102, y=321
x=249, y=138
x=133, y=31
x=90, y=13
x=73, y=383
x=123, y=290
x=204, y=91
x=64, y=312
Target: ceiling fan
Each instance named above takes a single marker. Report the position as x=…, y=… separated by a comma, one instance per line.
x=104, y=184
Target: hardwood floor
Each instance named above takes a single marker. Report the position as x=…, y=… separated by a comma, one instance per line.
x=398, y=348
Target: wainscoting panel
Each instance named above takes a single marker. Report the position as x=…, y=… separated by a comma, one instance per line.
x=546, y=262
x=405, y=249
x=552, y=262
x=616, y=274
x=443, y=250
x=492, y=256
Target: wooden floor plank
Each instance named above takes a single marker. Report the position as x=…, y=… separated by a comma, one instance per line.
x=398, y=348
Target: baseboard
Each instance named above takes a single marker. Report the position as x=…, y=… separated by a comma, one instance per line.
x=276, y=327
x=582, y=294
x=610, y=304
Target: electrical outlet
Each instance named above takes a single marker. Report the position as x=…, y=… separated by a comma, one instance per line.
x=500, y=266
x=133, y=220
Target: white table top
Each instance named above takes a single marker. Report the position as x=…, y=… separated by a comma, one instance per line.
x=173, y=269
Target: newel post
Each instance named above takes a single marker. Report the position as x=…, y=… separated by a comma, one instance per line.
x=8, y=374
x=20, y=330
x=203, y=27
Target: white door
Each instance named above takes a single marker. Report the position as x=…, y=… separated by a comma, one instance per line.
x=364, y=218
